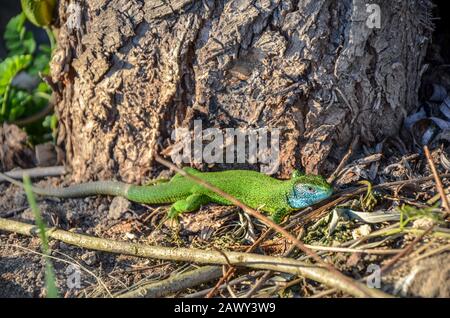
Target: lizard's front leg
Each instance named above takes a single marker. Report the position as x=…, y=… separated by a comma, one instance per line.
x=191, y=203
x=279, y=215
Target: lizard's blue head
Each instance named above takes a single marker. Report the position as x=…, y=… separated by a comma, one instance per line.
x=308, y=190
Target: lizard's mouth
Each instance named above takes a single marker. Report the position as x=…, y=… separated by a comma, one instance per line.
x=327, y=193
x=322, y=195
x=303, y=199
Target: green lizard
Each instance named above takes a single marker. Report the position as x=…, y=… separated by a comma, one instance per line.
x=41, y=13
x=257, y=190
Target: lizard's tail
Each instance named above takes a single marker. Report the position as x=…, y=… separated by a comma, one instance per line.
x=80, y=190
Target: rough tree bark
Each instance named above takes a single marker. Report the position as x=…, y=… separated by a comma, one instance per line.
x=130, y=71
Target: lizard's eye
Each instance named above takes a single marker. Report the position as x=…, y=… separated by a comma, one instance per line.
x=310, y=189
x=303, y=188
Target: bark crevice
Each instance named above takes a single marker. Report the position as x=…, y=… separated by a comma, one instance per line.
x=312, y=68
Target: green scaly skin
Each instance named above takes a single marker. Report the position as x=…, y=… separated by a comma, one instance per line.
x=254, y=189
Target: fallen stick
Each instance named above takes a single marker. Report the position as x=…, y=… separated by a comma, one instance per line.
x=36, y=172
x=192, y=255
x=176, y=283
x=202, y=293
x=344, y=160
x=438, y=182
x=230, y=272
x=267, y=274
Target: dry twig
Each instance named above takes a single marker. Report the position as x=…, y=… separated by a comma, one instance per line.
x=36, y=172
x=344, y=160
x=176, y=283
x=192, y=255
x=438, y=181
x=230, y=272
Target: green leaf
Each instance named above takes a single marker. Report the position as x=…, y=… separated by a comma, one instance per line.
x=19, y=103
x=43, y=87
x=16, y=103
x=10, y=67
x=50, y=277
x=29, y=43
x=17, y=39
x=51, y=121
x=8, y=70
x=15, y=27
x=41, y=61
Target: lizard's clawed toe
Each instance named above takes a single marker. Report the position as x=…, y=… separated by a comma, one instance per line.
x=173, y=214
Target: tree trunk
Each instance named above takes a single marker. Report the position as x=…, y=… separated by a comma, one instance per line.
x=130, y=72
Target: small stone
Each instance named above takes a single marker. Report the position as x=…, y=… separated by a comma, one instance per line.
x=423, y=223
x=361, y=231
x=118, y=207
x=72, y=217
x=130, y=236
x=46, y=155
x=63, y=246
x=102, y=207
x=90, y=258
x=31, y=275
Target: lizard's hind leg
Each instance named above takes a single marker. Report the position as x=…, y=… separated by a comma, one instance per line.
x=156, y=181
x=191, y=203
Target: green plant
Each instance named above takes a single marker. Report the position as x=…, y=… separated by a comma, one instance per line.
x=25, y=58
x=50, y=280
x=17, y=39
x=410, y=213
x=368, y=201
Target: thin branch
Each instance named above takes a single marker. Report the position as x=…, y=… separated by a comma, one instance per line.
x=354, y=250
x=192, y=255
x=344, y=160
x=235, y=281
x=232, y=270
x=176, y=283
x=444, y=248
x=13, y=212
x=405, y=251
x=36, y=172
x=267, y=274
x=259, y=283
x=324, y=293
x=438, y=182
